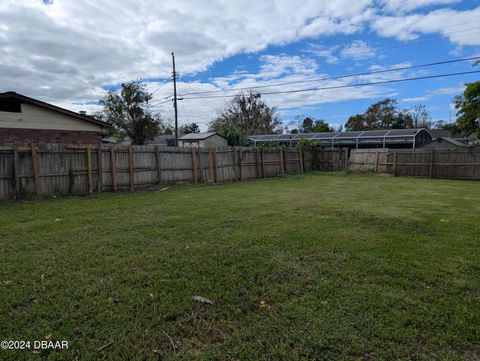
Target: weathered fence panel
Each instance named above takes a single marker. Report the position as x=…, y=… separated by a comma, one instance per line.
x=48, y=169
x=448, y=164
x=331, y=159
x=365, y=160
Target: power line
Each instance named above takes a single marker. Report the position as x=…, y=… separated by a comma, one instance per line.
x=350, y=85
x=335, y=77
x=160, y=86
x=204, y=100
x=156, y=102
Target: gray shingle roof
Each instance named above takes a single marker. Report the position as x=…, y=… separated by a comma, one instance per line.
x=197, y=136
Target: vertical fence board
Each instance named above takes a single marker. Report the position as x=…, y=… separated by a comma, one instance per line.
x=16, y=172
x=130, y=168
x=36, y=177
x=100, y=168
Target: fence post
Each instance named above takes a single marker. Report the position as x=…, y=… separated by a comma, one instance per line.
x=194, y=166
x=394, y=163
x=114, y=169
x=346, y=159
x=100, y=169
x=89, y=169
x=262, y=162
x=157, y=164
x=16, y=172
x=282, y=164
x=257, y=162
x=215, y=175
x=241, y=163
x=304, y=162
x=235, y=169
x=430, y=171
x=210, y=164
x=376, y=161
x=131, y=168
x=300, y=160
x=36, y=178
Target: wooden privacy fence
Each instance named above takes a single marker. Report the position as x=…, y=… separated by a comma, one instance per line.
x=48, y=169
x=453, y=164
x=448, y=164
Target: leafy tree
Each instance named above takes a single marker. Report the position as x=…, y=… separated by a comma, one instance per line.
x=420, y=116
x=129, y=114
x=321, y=126
x=269, y=145
x=308, y=143
x=381, y=115
x=309, y=125
x=306, y=125
x=249, y=114
x=468, y=114
x=189, y=128
x=403, y=120
x=233, y=134
x=356, y=122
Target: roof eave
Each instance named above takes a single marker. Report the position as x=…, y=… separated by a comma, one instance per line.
x=28, y=100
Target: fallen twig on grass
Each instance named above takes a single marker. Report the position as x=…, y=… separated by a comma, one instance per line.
x=104, y=346
x=171, y=341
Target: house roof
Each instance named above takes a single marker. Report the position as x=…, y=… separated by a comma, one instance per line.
x=440, y=133
x=449, y=140
x=39, y=103
x=162, y=139
x=199, y=136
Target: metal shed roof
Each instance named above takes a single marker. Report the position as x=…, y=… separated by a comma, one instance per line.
x=199, y=136
x=328, y=136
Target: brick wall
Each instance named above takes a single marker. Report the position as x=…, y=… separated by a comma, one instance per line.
x=26, y=136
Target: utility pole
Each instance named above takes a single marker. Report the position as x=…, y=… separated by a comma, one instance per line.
x=175, y=98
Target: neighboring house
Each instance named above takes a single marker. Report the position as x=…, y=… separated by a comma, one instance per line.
x=26, y=120
x=164, y=140
x=203, y=140
x=443, y=133
x=444, y=143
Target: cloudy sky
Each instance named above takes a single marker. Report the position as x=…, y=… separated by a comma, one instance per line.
x=68, y=52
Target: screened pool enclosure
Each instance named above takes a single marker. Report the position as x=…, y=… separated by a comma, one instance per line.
x=393, y=138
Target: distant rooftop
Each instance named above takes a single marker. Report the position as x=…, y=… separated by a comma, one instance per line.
x=197, y=136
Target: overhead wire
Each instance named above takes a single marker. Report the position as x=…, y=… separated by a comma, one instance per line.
x=349, y=85
x=334, y=77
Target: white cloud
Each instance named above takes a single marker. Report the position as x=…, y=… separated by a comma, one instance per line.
x=75, y=47
x=408, y=5
x=66, y=52
x=459, y=27
x=456, y=90
x=325, y=53
x=358, y=50
x=415, y=99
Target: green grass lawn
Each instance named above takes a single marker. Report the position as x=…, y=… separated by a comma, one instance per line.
x=320, y=266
